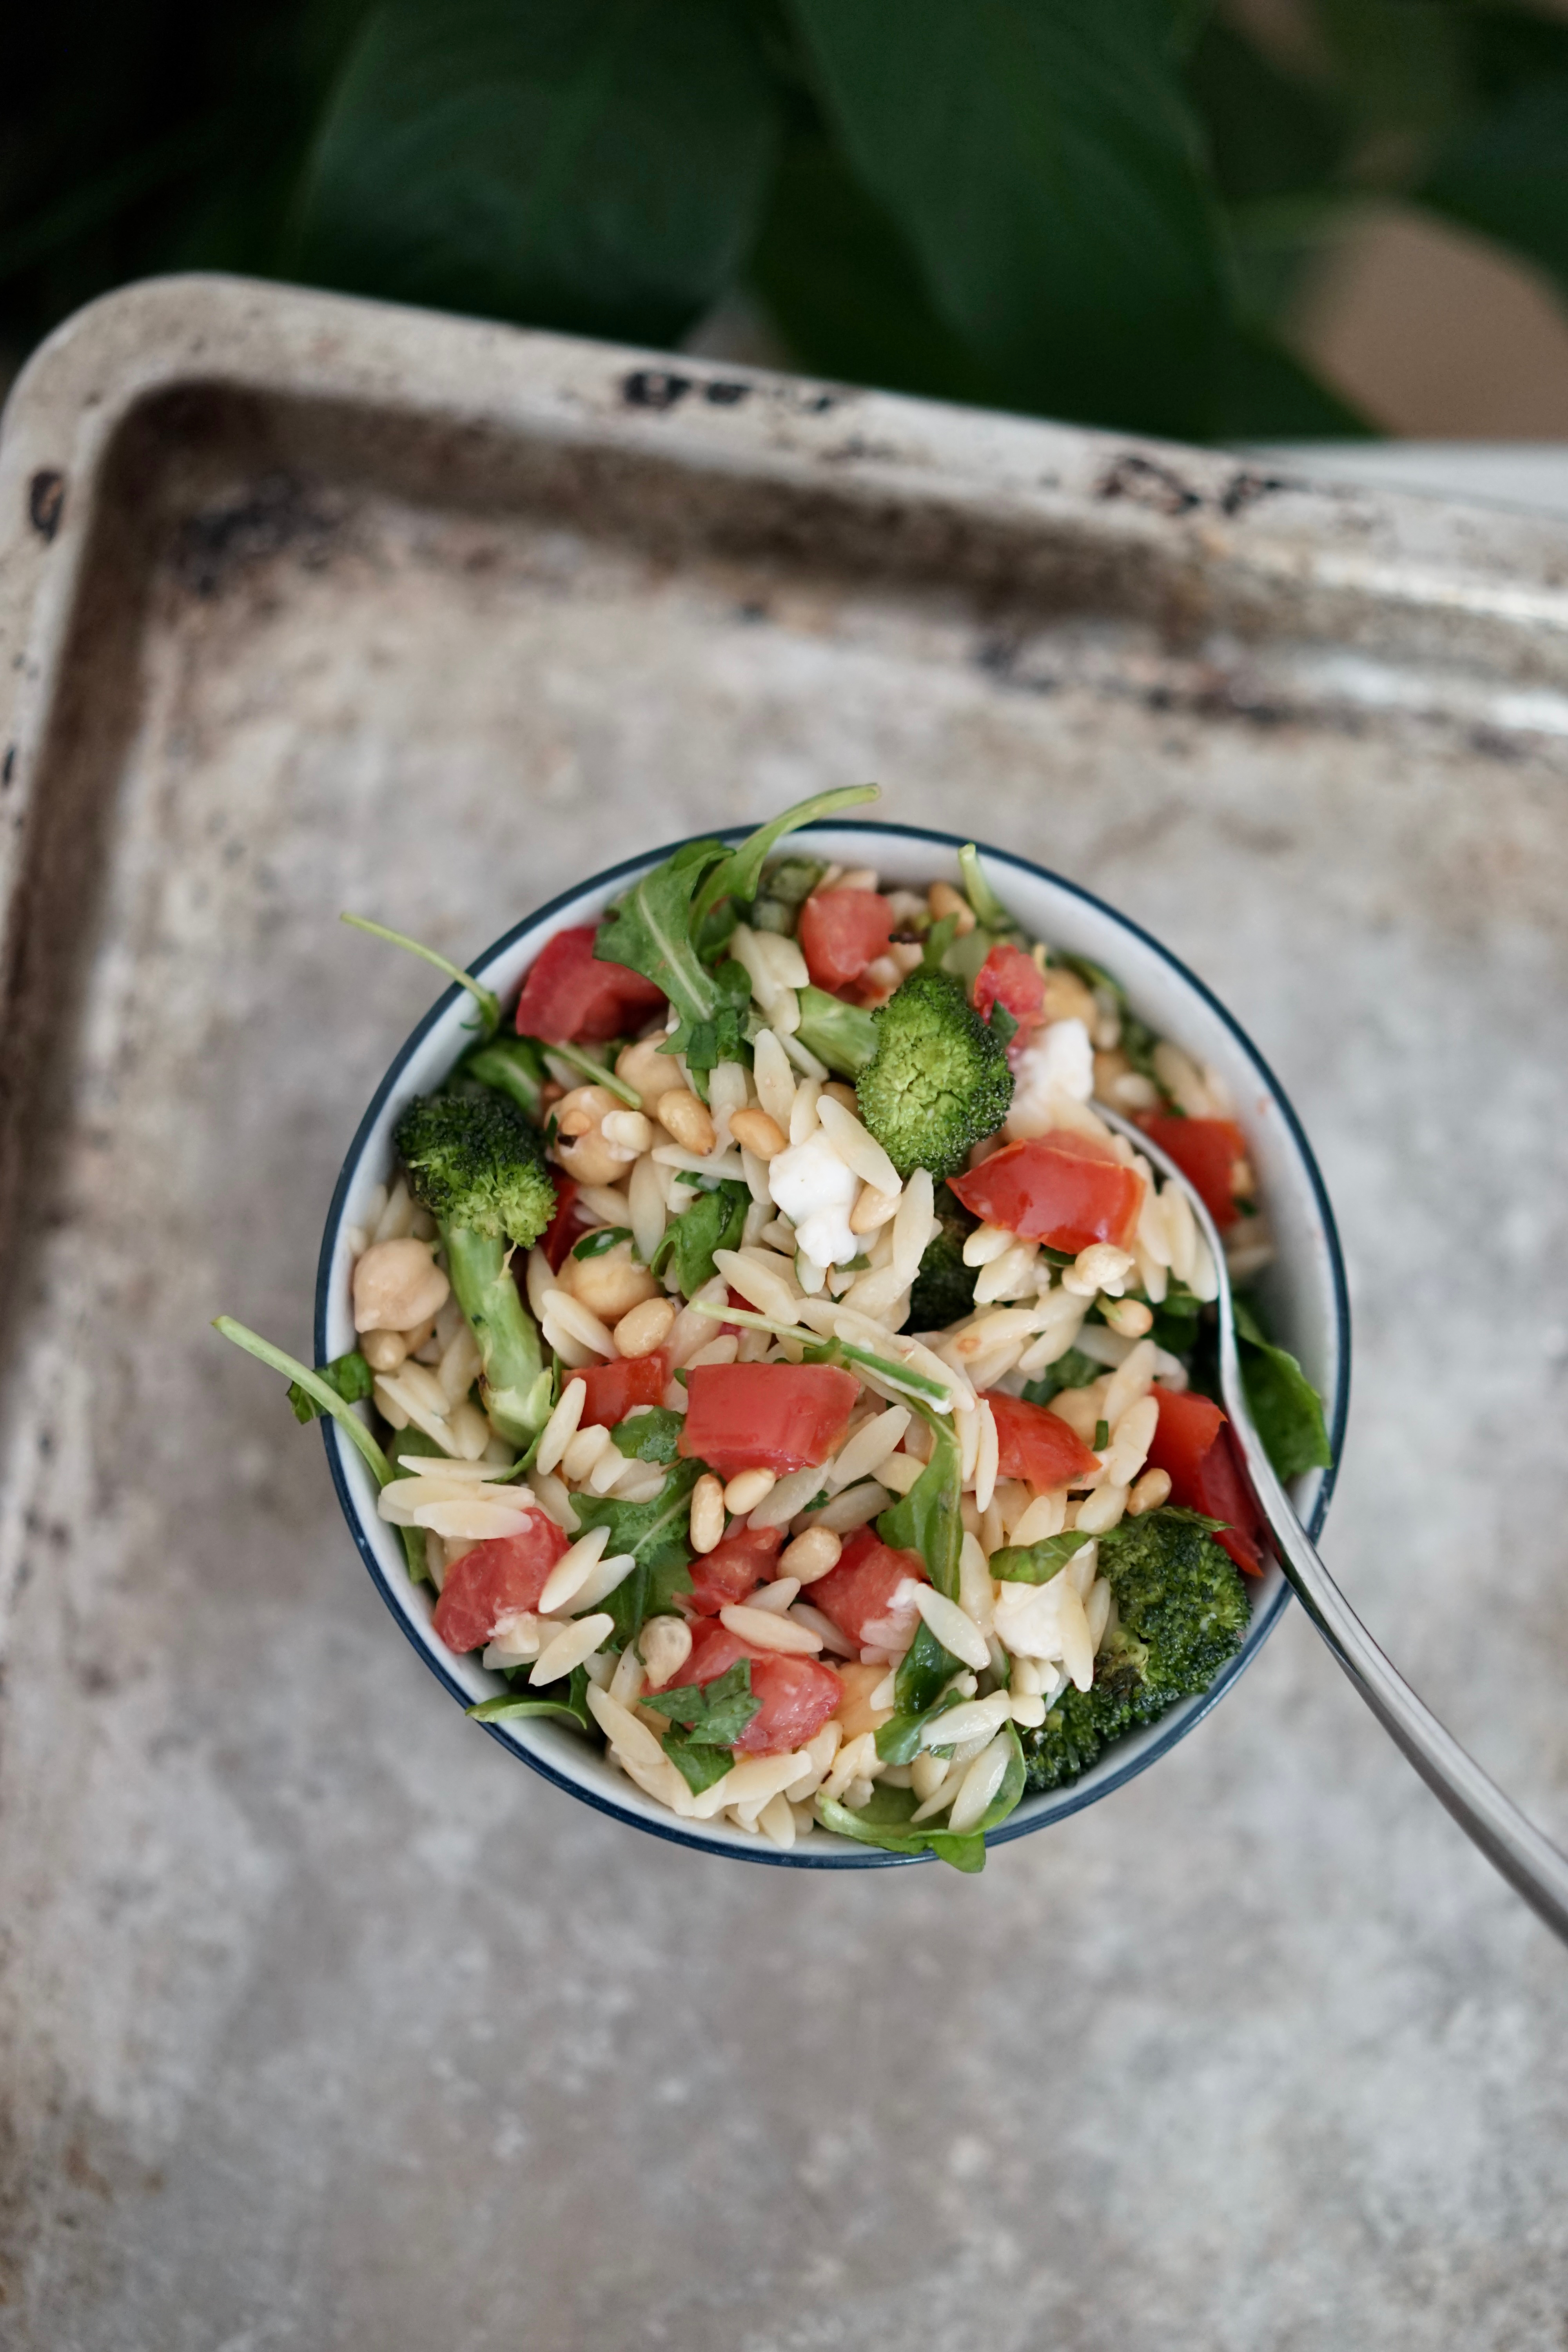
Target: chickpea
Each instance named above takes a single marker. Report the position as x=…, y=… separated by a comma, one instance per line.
x=610, y=1284
x=943, y=901
x=653, y=1073
x=397, y=1285
x=580, y=1143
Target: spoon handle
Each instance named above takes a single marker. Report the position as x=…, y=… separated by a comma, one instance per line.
x=1532, y=1864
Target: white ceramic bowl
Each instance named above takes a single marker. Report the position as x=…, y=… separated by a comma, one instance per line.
x=1305, y=1292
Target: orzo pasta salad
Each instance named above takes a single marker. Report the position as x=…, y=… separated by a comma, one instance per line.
x=778, y=1370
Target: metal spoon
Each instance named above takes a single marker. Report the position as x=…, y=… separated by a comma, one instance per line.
x=1532, y=1864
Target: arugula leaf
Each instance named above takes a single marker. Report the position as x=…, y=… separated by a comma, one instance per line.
x=1101, y=1435
x=714, y=1714
x=929, y=1520
x=1003, y=1023
x=786, y=884
x=649, y=1436
x=1285, y=1406
x=879, y=1823
x=1073, y=1370
x=574, y=1708
x=350, y=1375
x=697, y=1766
x=1177, y=1320
x=657, y=1534
x=722, y=1036
x=989, y=911
x=596, y=1244
x=1036, y=1563
x=715, y=1222
x=654, y=928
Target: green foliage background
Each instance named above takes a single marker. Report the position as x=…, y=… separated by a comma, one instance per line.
x=1096, y=209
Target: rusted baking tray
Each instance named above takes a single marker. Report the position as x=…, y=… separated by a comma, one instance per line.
x=323, y=2023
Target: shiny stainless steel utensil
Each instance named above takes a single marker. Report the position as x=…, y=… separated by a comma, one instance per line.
x=1529, y=1862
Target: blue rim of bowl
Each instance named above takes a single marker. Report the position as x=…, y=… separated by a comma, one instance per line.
x=1184, y=1719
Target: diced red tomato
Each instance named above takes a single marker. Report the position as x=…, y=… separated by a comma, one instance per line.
x=841, y=931
x=1013, y=980
x=870, y=1594
x=777, y=1417
x=735, y=1565
x=615, y=1388
x=797, y=1694
x=570, y=995
x=1207, y=1151
x=1195, y=1448
x=562, y=1231
x=508, y=1572
x=1067, y=1191
x=1034, y=1443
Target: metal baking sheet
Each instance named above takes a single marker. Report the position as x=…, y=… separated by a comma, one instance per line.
x=322, y=2021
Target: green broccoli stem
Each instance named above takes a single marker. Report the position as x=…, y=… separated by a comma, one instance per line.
x=840, y=1034
x=514, y=1377
x=512, y=1067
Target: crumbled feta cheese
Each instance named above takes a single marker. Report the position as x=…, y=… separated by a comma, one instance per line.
x=1059, y=1062
x=814, y=1189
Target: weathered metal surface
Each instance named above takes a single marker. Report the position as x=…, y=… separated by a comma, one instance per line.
x=322, y=2022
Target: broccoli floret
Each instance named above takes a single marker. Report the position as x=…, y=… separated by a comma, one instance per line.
x=479, y=1167
x=1181, y=1611
x=840, y=1034
x=937, y=1082
x=943, y=1290
x=478, y=1164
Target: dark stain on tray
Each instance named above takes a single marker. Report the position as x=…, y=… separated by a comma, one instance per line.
x=1147, y=483
x=656, y=388
x=723, y=394
x=46, y=500
x=277, y=513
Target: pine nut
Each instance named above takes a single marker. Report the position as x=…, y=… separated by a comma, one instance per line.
x=1129, y=1317
x=383, y=1350
x=755, y=1131
x=645, y=1328
x=707, y=1513
x=811, y=1555
x=687, y=1120
x=746, y=1490
x=943, y=900
x=872, y=1210
x=1153, y=1489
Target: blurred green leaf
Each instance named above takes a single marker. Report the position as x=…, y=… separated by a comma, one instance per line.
x=844, y=288
x=1269, y=133
x=1040, y=158
x=1267, y=394
x=596, y=166
x=1507, y=175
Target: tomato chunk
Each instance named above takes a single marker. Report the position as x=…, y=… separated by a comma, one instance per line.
x=1067, y=1191
x=1195, y=1448
x=1034, y=1443
x=733, y=1568
x=615, y=1388
x=570, y=995
x=869, y=1593
x=1010, y=978
x=841, y=931
x=1207, y=1151
x=562, y=1231
x=506, y=1573
x=797, y=1694
x=777, y=1417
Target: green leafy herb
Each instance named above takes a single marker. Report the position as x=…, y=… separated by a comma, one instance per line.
x=938, y=940
x=657, y=1534
x=786, y=884
x=1101, y=1435
x=598, y=1068
x=1176, y=1319
x=706, y=1721
x=928, y=1520
x=715, y=1221
x=488, y=1003
x=607, y=1238
x=1036, y=1563
x=1073, y=1370
x=651, y=1435
x=1002, y=1024
x=656, y=927
x=1285, y=1406
x=511, y=1704
x=350, y=1375
x=885, y=1821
